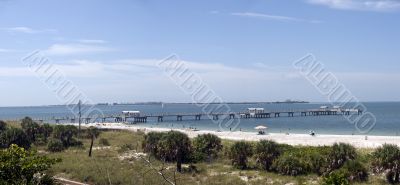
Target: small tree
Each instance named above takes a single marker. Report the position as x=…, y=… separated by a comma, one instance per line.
x=65, y=133
x=387, y=159
x=18, y=166
x=93, y=133
x=14, y=136
x=290, y=164
x=55, y=145
x=3, y=125
x=30, y=127
x=207, y=145
x=266, y=152
x=150, y=142
x=175, y=146
x=239, y=152
x=71, y=131
x=340, y=153
x=46, y=131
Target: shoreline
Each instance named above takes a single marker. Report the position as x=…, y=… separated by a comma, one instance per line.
x=358, y=141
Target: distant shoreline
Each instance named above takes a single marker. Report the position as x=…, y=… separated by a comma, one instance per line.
x=165, y=103
x=188, y=103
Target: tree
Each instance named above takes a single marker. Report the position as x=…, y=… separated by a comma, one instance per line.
x=239, y=152
x=387, y=159
x=14, y=136
x=46, y=131
x=207, y=145
x=3, y=125
x=30, y=127
x=93, y=133
x=266, y=152
x=70, y=132
x=19, y=166
x=65, y=133
x=150, y=142
x=340, y=153
x=175, y=146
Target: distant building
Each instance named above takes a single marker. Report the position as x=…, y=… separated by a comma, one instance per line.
x=254, y=111
x=131, y=113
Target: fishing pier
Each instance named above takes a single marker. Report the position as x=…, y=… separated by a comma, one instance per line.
x=251, y=113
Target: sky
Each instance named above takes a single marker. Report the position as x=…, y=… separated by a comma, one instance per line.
x=243, y=50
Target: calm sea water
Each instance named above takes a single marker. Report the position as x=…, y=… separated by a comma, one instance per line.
x=386, y=113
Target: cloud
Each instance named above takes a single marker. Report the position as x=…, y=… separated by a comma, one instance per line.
x=92, y=41
x=72, y=49
x=366, y=5
x=27, y=30
x=120, y=80
x=214, y=12
x=273, y=17
x=2, y=50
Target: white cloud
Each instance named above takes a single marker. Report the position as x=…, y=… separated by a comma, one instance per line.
x=367, y=5
x=92, y=41
x=214, y=12
x=71, y=49
x=2, y=50
x=273, y=17
x=22, y=29
x=143, y=80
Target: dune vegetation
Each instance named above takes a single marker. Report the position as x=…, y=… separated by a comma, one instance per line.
x=126, y=157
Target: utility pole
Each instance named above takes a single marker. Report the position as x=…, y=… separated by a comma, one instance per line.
x=80, y=117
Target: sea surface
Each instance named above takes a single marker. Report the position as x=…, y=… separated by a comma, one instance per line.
x=387, y=117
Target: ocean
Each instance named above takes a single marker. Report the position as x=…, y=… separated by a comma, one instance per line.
x=387, y=117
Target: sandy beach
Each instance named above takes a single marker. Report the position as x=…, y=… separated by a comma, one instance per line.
x=359, y=141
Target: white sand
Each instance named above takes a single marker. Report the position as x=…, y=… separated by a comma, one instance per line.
x=358, y=141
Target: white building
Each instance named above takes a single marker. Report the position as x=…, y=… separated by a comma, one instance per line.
x=131, y=113
x=254, y=111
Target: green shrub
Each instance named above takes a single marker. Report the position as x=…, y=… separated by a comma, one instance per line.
x=104, y=142
x=44, y=179
x=206, y=146
x=19, y=166
x=176, y=147
x=290, y=164
x=150, y=142
x=266, y=152
x=340, y=153
x=14, y=136
x=126, y=147
x=335, y=178
x=355, y=171
x=315, y=158
x=387, y=159
x=3, y=125
x=302, y=160
x=66, y=134
x=239, y=152
x=55, y=145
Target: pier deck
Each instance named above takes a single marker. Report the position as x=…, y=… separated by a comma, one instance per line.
x=198, y=116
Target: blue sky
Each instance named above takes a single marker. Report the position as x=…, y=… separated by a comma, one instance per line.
x=242, y=49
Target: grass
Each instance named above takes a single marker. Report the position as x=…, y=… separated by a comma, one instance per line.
x=106, y=167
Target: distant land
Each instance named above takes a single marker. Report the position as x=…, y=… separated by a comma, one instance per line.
x=160, y=103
